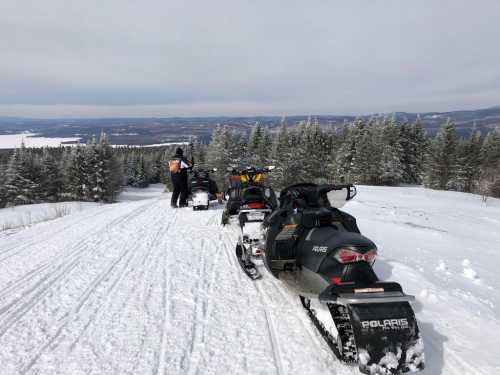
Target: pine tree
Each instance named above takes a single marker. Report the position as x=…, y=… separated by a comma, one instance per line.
x=442, y=158
x=110, y=171
x=21, y=175
x=468, y=168
x=390, y=164
x=51, y=181
x=283, y=158
x=264, y=149
x=140, y=178
x=361, y=164
x=255, y=144
x=221, y=154
x=3, y=192
x=77, y=175
x=420, y=148
x=408, y=156
x=345, y=156
x=490, y=164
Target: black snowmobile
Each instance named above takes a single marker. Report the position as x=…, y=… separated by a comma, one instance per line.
x=249, y=203
x=247, y=192
x=318, y=251
x=203, y=188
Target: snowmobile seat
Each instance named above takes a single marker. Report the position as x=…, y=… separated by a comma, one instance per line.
x=252, y=195
x=316, y=217
x=300, y=196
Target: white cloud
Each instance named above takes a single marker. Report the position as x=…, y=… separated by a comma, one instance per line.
x=233, y=57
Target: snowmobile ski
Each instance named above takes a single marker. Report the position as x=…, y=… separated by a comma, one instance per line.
x=247, y=265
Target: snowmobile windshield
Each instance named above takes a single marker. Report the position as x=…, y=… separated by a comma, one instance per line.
x=312, y=196
x=300, y=196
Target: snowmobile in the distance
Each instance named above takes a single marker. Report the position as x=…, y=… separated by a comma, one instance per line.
x=203, y=189
x=319, y=253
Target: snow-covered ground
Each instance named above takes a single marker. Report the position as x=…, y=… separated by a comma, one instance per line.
x=14, y=218
x=30, y=140
x=137, y=288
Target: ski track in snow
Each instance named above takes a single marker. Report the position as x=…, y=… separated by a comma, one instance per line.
x=139, y=288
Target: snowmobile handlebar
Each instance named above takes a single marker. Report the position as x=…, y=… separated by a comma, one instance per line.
x=351, y=190
x=250, y=170
x=201, y=170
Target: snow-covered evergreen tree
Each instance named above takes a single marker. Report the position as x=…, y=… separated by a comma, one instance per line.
x=21, y=186
x=442, y=158
x=345, y=156
x=390, y=163
x=51, y=179
x=221, y=154
x=468, y=167
x=420, y=146
x=77, y=174
x=490, y=164
x=3, y=193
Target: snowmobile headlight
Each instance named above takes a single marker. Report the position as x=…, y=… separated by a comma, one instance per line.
x=351, y=255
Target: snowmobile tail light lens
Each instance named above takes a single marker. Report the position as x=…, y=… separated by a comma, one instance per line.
x=347, y=255
x=255, y=205
x=336, y=280
x=370, y=256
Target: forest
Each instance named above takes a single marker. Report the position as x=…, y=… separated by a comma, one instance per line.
x=376, y=151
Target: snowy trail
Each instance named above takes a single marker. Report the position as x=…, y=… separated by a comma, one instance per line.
x=139, y=288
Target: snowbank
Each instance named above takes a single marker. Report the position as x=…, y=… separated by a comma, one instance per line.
x=444, y=248
x=23, y=216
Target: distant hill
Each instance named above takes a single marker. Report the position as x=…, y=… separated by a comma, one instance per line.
x=134, y=131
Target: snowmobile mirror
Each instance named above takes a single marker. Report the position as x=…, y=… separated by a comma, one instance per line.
x=338, y=198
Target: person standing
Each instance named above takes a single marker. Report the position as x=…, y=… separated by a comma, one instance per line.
x=179, y=166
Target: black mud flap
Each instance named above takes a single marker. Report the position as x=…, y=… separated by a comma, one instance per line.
x=387, y=338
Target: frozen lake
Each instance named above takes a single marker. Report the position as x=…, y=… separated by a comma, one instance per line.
x=30, y=140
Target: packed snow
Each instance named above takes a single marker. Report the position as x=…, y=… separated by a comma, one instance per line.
x=8, y=141
x=136, y=287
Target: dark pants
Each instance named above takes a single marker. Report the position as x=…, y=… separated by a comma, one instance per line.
x=180, y=183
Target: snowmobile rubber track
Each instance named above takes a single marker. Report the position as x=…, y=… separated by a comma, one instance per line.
x=348, y=353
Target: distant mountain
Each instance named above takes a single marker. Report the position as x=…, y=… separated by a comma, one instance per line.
x=134, y=131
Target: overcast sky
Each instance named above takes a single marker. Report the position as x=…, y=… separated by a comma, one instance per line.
x=77, y=58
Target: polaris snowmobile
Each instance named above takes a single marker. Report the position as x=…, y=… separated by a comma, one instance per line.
x=249, y=203
x=318, y=252
x=203, y=188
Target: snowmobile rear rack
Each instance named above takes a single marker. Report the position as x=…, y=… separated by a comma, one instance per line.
x=385, y=297
x=380, y=292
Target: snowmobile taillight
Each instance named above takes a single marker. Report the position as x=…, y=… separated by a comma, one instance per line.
x=336, y=280
x=347, y=255
x=255, y=205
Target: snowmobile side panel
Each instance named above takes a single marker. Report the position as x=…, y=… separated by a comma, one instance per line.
x=387, y=338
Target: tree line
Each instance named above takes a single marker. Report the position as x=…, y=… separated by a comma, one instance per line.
x=376, y=151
